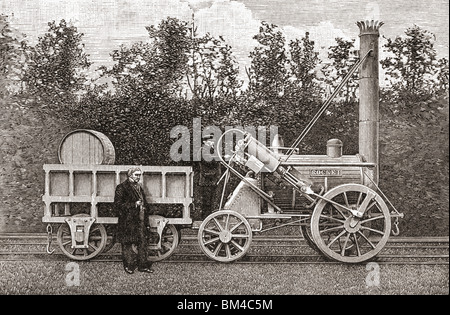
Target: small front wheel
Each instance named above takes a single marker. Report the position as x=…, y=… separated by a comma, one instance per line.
x=225, y=236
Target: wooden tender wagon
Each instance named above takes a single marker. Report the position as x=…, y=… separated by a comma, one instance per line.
x=87, y=186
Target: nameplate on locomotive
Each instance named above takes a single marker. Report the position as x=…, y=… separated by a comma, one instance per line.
x=325, y=173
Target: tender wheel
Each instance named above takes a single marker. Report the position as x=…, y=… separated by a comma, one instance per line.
x=169, y=241
x=96, y=241
x=225, y=236
x=342, y=236
x=111, y=231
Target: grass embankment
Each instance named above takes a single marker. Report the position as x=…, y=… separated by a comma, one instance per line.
x=223, y=279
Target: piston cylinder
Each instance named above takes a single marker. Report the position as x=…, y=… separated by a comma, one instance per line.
x=263, y=154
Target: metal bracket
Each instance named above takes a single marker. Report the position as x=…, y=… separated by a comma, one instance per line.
x=157, y=224
x=79, y=230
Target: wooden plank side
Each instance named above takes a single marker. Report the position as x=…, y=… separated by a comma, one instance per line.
x=83, y=184
x=152, y=183
x=106, y=184
x=175, y=185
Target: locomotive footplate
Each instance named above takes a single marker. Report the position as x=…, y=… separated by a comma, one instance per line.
x=157, y=224
x=79, y=230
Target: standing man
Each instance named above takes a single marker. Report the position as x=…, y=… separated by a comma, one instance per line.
x=133, y=212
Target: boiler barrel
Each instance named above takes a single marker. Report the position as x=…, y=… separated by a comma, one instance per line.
x=85, y=146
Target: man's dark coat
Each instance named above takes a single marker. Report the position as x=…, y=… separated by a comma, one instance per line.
x=129, y=228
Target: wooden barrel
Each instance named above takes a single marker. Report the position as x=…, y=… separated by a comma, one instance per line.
x=85, y=146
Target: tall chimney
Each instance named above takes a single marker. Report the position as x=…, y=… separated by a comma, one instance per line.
x=369, y=121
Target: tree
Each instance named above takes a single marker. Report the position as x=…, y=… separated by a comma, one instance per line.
x=212, y=68
x=147, y=99
x=303, y=62
x=411, y=67
x=343, y=56
x=268, y=73
x=154, y=68
x=12, y=57
x=442, y=76
x=57, y=66
x=212, y=78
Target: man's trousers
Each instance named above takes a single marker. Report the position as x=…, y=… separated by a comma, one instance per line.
x=131, y=259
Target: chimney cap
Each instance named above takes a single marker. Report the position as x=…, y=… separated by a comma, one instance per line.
x=369, y=27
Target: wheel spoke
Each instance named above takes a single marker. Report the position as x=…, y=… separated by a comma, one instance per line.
x=367, y=240
x=336, y=238
x=213, y=240
x=372, y=230
x=346, y=199
x=336, y=228
x=91, y=245
x=240, y=235
x=371, y=205
x=357, y=245
x=239, y=247
x=95, y=229
x=359, y=200
x=218, y=224
x=331, y=218
x=166, y=245
x=340, y=212
x=168, y=238
x=227, y=222
x=228, y=251
x=236, y=226
x=216, y=251
x=345, y=244
x=378, y=217
x=211, y=231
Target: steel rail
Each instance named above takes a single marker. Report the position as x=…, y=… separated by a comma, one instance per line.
x=424, y=244
x=410, y=239
x=254, y=259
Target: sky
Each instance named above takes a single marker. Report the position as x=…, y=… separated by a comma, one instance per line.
x=106, y=24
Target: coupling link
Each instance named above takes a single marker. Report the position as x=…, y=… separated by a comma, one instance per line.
x=49, y=239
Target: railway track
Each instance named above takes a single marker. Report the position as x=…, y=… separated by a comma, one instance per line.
x=264, y=249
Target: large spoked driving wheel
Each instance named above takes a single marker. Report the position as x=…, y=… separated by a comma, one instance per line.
x=225, y=236
x=345, y=237
x=169, y=242
x=96, y=241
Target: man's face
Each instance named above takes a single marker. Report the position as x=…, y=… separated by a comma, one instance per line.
x=135, y=177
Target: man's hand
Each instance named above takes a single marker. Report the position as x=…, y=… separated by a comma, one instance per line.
x=138, y=203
